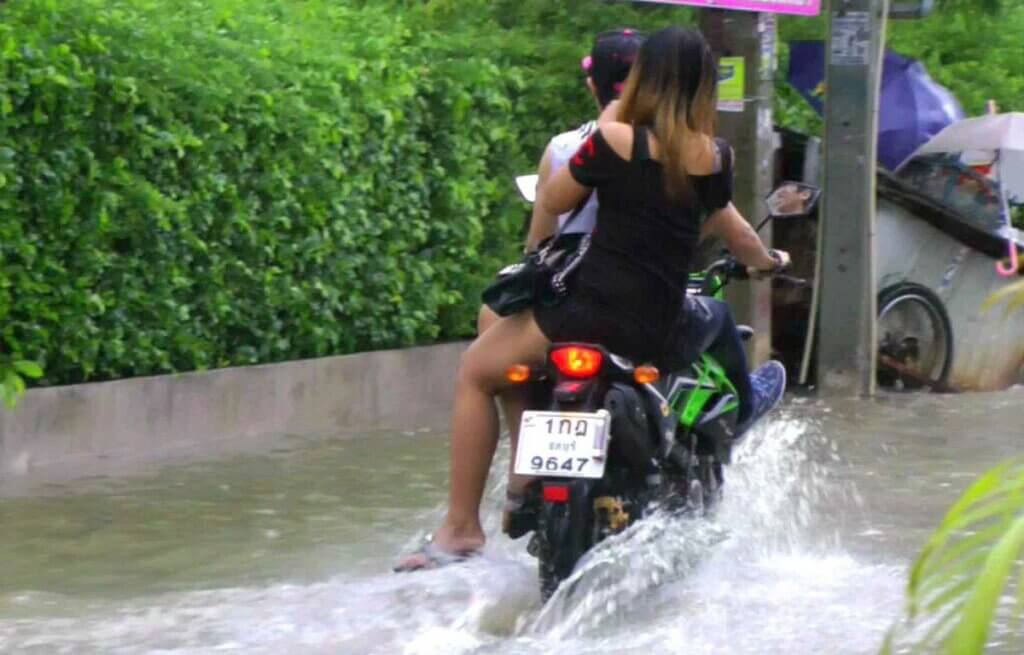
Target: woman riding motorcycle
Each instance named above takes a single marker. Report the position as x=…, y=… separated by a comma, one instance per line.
x=657, y=170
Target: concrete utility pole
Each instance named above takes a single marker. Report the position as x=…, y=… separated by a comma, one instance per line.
x=847, y=308
x=748, y=127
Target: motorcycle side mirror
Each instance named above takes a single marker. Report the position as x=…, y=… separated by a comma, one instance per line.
x=792, y=199
x=527, y=185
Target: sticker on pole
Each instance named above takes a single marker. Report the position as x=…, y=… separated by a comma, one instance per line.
x=798, y=7
x=731, y=83
x=851, y=39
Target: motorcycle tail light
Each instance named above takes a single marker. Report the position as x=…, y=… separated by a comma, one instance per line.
x=577, y=361
x=556, y=493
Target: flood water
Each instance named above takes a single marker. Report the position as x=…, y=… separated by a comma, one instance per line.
x=289, y=550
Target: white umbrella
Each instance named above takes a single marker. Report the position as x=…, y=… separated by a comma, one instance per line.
x=992, y=132
x=993, y=138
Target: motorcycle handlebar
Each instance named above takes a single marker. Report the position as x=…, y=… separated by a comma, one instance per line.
x=730, y=268
x=791, y=280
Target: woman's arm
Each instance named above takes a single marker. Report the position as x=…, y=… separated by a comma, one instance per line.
x=600, y=159
x=562, y=193
x=542, y=223
x=743, y=242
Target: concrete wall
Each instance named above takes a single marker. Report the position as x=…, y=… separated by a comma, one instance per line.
x=144, y=417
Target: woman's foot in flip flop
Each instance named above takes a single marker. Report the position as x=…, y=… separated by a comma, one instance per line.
x=441, y=549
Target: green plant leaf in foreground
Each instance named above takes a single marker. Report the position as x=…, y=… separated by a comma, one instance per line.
x=979, y=609
x=966, y=568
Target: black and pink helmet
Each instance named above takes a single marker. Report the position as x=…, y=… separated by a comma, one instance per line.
x=610, y=59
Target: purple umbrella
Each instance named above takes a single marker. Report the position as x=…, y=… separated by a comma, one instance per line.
x=912, y=106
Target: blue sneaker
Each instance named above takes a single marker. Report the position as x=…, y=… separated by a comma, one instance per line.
x=768, y=382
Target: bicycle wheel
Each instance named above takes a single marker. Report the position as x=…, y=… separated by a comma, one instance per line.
x=915, y=338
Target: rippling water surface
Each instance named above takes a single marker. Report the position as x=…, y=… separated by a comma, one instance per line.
x=289, y=551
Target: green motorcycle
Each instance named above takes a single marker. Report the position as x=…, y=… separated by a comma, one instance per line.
x=608, y=439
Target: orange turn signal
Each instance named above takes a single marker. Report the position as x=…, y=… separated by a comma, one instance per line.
x=517, y=373
x=646, y=374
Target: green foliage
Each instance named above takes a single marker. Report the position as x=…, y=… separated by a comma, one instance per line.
x=189, y=185
x=972, y=6
x=12, y=379
x=972, y=47
x=201, y=184
x=977, y=54
x=960, y=583
x=1017, y=216
x=790, y=109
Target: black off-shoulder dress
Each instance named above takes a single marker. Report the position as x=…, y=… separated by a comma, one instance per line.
x=627, y=293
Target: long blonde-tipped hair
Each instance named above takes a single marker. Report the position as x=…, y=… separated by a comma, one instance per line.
x=672, y=89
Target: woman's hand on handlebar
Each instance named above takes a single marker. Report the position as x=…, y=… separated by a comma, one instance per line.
x=781, y=261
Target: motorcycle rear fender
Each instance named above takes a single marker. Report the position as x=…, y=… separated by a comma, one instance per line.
x=577, y=393
x=633, y=439
x=568, y=527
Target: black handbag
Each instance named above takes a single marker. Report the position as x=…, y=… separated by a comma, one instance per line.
x=542, y=276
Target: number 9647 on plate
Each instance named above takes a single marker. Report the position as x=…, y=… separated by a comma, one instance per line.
x=563, y=444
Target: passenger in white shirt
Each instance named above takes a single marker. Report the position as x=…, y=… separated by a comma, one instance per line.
x=607, y=67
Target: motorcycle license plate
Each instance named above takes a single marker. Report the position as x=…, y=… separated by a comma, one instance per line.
x=563, y=444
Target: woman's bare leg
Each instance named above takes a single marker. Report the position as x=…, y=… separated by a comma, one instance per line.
x=485, y=318
x=511, y=400
x=513, y=403
x=512, y=340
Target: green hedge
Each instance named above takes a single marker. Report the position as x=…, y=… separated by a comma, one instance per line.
x=201, y=184
x=188, y=185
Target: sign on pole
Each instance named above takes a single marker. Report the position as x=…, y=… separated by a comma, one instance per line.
x=732, y=83
x=798, y=7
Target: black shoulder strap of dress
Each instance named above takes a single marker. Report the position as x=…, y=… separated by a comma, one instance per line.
x=725, y=150
x=641, y=150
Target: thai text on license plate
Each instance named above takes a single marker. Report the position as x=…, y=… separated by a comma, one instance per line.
x=563, y=444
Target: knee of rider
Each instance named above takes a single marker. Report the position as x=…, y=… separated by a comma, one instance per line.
x=472, y=371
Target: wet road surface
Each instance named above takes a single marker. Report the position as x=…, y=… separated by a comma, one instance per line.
x=289, y=550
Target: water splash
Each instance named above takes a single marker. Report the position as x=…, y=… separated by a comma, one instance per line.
x=614, y=580
x=772, y=489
